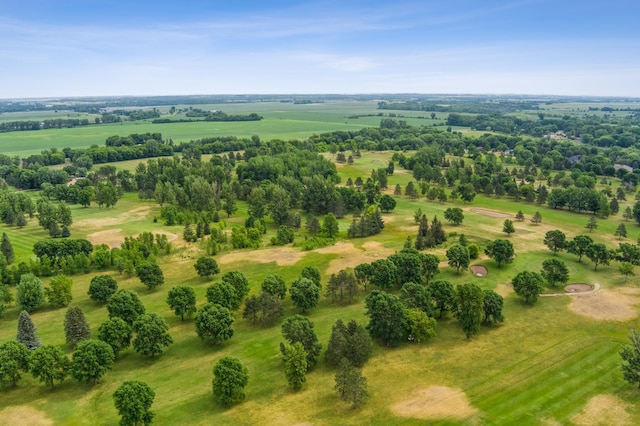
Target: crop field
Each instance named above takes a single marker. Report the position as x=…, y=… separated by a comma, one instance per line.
x=555, y=362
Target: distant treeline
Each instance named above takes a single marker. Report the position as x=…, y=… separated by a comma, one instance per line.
x=54, y=123
x=475, y=107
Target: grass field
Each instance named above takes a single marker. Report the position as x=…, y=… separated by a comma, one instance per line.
x=547, y=364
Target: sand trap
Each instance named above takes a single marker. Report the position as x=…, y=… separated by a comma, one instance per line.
x=350, y=256
x=139, y=213
x=23, y=415
x=436, y=402
x=491, y=213
x=603, y=410
x=608, y=305
x=282, y=256
x=479, y=270
x=577, y=288
x=110, y=237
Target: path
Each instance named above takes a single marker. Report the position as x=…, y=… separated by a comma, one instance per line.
x=596, y=287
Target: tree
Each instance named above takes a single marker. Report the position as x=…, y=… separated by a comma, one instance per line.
x=579, y=245
x=76, y=327
x=454, y=215
x=628, y=213
x=182, y=300
x=274, y=285
x=598, y=254
x=102, y=287
x=592, y=224
x=350, y=384
x=6, y=248
x=387, y=203
x=492, y=305
x=520, y=216
x=214, y=323
x=458, y=256
x=14, y=360
x=528, y=285
x=206, y=267
x=150, y=274
x=27, y=333
x=49, y=364
x=420, y=327
x=621, y=231
x=555, y=271
x=295, y=364
x=330, y=226
x=351, y=342
x=430, y=266
x=469, y=308
x=536, y=219
x=555, y=240
x=501, y=251
x=152, y=335
x=116, y=333
x=342, y=286
x=417, y=296
x=442, y=294
x=230, y=377
x=304, y=293
x=91, y=360
x=133, y=400
x=508, y=227
x=125, y=304
x=265, y=308
x=626, y=269
x=387, y=317
x=59, y=291
x=29, y=293
x=630, y=355
x=299, y=329
x=383, y=273
x=223, y=294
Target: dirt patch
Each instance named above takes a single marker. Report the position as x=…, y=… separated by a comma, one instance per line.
x=577, y=288
x=608, y=305
x=479, y=270
x=282, y=256
x=139, y=213
x=110, y=237
x=351, y=256
x=491, y=213
x=23, y=415
x=436, y=402
x=603, y=410
x=504, y=290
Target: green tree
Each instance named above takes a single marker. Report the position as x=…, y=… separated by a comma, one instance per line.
x=442, y=293
x=6, y=248
x=555, y=240
x=469, y=308
x=125, y=304
x=14, y=360
x=520, y=216
x=116, y=333
x=150, y=274
x=536, y=219
x=230, y=377
x=239, y=282
x=626, y=269
x=265, y=308
x=417, y=296
x=27, y=333
x=458, y=256
x=492, y=305
x=49, y=364
x=621, y=231
x=592, y=224
x=383, y=273
x=330, y=226
x=76, y=327
x=501, y=251
x=214, y=323
x=555, y=271
x=342, y=286
x=206, y=267
x=508, y=227
x=29, y=293
x=420, y=327
x=387, y=317
x=133, y=400
x=387, y=203
x=295, y=364
x=274, y=285
x=430, y=266
x=59, y=291
x=223, y=294
x=351, y=385
x=279, y=203
x=351, y=342
x=528, y=285
x=631, y=359
x=91, y=360
x=579, y=245
x=454, y=215
x=182, y=300
x=304, y=293
x=299, y=329
x=598, y=254
x=102, y=287
x=152, y=335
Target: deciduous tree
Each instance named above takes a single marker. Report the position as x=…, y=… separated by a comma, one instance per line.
x=14, y=360
x=295, y=364
x=555, y=271
x=469, y=308
x=125, y=304
x=387, y=317
x=214, y=323
x=299, y=329
x=555, y=240
x=6, y=248
x=91, y=360
x=579, y=245
x=230, y=377
x=59, y=291
x=29, y=293
x=598, y=254
x=182, y=300
x=304, y=293
x=492, y=305
x=206, y=267
x=454, y=215
x=116, y=333
x=274, y=285
x=150, y=274
x=102, y=287
x=152, y=335
x=501, y=251
x=528, y=285
x=133, y=400
x=458, y=256
x=49, y=364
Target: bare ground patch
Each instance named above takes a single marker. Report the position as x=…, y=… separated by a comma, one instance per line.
x=603, y=410
x=282, y=256
x=351, y=256
x=436, y=402
x=110, y=237
x=504, y=290
x=138, y=213
x=23, y=415
x=491, y=213
x=608, y=305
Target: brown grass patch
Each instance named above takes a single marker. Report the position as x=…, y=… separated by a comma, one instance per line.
x=491, y=213
x=23, y=415
x=110, y=237
x=608, y=305
x=282, y=256
x=504, y=290
x=603, y=410
x=479, y=270
x=436, y=402
x=350, y=256
x=139, y=213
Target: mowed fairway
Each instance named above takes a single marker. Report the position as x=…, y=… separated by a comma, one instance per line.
x=546, y=364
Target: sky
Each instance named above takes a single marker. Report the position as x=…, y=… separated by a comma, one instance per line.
x=115, y=48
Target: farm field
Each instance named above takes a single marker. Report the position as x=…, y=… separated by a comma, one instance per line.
x=555, y=362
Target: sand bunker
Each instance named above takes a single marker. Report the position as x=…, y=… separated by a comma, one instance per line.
x=436, y=402
x=282, y=256
x=350, y=256
x=577, y=288
x=603, y=410
x=139, y=213
x=491, y=213
x=23, y=415
x=479, y=270
x=608, y=305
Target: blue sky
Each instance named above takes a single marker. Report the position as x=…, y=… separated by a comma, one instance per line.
x=86, y=48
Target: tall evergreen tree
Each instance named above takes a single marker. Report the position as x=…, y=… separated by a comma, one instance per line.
x=27, y=333
x=76, y=327
x=6, y=248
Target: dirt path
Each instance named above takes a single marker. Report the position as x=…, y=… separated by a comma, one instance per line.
x=596, y=287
